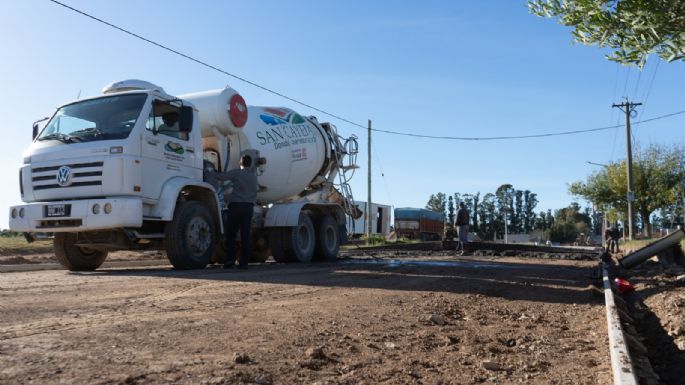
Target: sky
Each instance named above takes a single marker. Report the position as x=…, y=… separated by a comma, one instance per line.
x=440, y=68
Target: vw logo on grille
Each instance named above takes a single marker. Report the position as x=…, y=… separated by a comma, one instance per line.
x=64, y=176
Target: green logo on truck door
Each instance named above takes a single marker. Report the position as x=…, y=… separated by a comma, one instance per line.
x=174, y=147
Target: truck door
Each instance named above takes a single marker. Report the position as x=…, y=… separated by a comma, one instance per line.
x=167, y=152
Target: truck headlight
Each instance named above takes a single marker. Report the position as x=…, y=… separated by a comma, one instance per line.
x=21, y=212
x=108, y=208
x=14, y=213
x=96, y=209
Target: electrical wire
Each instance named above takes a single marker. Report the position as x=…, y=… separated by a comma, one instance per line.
x=616, y=75
x=645, y=97
x=215, y=68
x=614, y=111
x=385, y=182
x=198, y=61
x=637, y=83
x=625, y=85
x=613, y=147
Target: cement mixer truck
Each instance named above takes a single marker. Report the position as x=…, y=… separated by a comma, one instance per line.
x=111, y=172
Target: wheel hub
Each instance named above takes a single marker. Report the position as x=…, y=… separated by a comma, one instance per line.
x=302, y=236
x=199, y=236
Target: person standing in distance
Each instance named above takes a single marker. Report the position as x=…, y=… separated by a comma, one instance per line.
x=240, y=208
x=461, y=223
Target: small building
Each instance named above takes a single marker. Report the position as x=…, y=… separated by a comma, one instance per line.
x=380, y=220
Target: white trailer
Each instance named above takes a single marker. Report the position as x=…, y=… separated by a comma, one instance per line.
x=380, y=220
x=106, y=174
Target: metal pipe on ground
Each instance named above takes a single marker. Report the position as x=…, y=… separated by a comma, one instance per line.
x=637, y=257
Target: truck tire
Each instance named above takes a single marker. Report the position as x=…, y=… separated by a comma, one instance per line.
x=190, y=236
x=289, y=244
x=76, y=258
x=260, y=247
x=303, y=239
x=278, y=243
x=327, y=239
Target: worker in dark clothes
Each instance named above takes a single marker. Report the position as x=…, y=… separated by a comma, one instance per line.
x=461, y=223
x=616, y=237
x=609, y=238
x=240, y=208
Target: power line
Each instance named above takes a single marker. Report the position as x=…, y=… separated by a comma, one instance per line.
x=387, y=189
x=524, y=136
x=637, y=83
x=625, y=85
x=215, y=68
x=613, y=146
x=206, y=64
x=618, y=116
x=651, y=82
x=648, y=92
x=616, y=76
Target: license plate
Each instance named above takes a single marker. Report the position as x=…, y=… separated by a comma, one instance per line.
x=60, y=210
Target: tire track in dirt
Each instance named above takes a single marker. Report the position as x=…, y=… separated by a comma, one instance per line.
x=207, y=295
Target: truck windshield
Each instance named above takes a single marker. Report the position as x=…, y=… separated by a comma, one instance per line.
x=105, y=118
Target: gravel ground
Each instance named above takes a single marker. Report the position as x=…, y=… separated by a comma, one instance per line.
x=429, y=320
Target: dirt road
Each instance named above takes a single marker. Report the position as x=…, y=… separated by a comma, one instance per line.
x=357, y=321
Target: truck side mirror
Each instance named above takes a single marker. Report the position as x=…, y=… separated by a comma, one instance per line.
x=185, y=121
x=36, y=127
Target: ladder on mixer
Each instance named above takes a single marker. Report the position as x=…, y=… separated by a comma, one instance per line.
x=341, y=152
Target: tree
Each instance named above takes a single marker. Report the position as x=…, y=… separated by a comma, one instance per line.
x=474, y=213
x=572, y=214
x=468, y=201
x=505, y=202
x=488, y=217
x=549, y=219
x=568, y=223
x=658, y=176
x=437, y=202
x=530, y=202
x=632, y=28
x=450, y=209
x=517, y=217
x=540, y=221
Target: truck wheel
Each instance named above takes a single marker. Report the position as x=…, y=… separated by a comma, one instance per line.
x=190, y=236
x=327, y=239
x=278, y=243
x=303, y=239
x=260, y=247
x=76, y=258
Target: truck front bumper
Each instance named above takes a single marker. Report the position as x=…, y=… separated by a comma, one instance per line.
x=77, y=215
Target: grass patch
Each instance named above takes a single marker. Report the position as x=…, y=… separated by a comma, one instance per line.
x=629, y=246
x=18, y=246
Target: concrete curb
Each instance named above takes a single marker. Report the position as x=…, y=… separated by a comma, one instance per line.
x=621, y=363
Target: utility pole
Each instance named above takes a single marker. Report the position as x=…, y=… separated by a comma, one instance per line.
x=368, y=197
x=628, y=108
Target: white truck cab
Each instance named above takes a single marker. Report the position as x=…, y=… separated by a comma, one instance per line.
x=107, y=172
x=124, y=170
